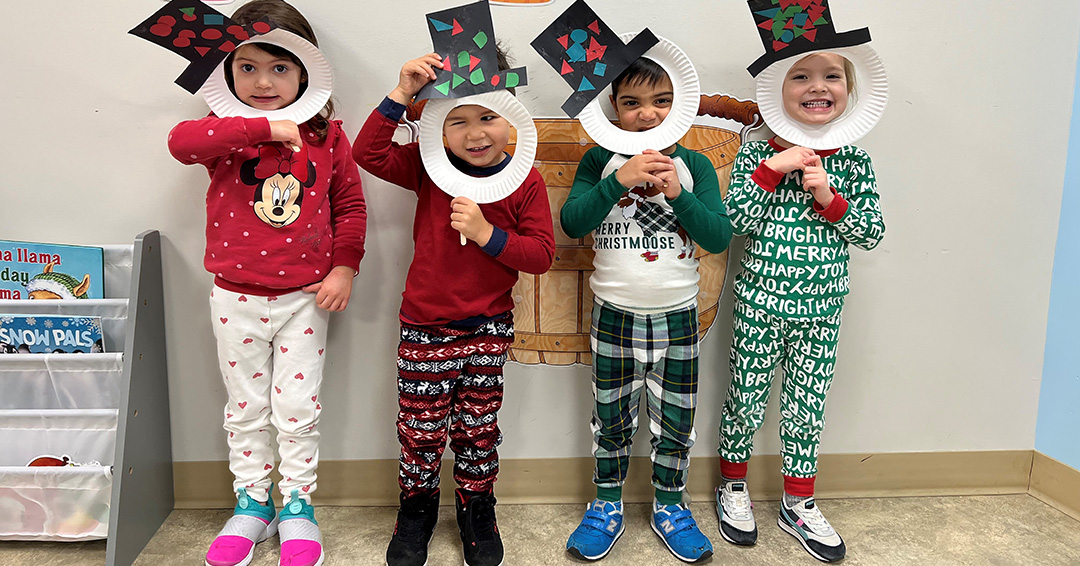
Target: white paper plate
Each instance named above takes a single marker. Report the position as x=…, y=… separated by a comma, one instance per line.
x=684, y=108
x=320, y=83
x=480, y=189
x=870, y=96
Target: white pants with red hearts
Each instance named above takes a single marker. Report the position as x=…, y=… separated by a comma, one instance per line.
x=271, y=352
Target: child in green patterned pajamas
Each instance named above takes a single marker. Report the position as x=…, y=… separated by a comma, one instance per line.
x=644, y=319
x=799, y=209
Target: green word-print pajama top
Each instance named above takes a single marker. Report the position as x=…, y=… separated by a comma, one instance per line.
x=789, y=294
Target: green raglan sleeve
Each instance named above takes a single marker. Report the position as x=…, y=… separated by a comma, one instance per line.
x=591, y=198
x=702, y=212
x=857, y=217
x=751, y=189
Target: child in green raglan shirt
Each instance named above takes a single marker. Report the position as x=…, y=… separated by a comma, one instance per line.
x=646, y=213
x=799, y=209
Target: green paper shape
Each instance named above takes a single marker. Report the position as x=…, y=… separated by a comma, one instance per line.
x=463, y=59
x=480, y=39
x=799, y=32
x=458, y=79
x=777, y=29
x=512, y=80
x=477, y=76
x=821, y=22
x=444, y=88
x=189, y=11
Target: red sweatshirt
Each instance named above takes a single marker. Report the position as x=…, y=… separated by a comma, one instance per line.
x=275, y=220
x=449, y=282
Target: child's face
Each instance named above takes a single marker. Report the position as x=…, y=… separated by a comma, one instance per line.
x=643, y=106
x=815, y=89
x=476, y=134
x=264, y=81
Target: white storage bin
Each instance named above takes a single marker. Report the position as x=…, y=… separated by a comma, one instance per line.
x=85, y=436
x=59, y=504
x=60, y=381
x=113, y=313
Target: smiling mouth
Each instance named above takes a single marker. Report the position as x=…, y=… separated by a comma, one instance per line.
x=478, y=151
x=264, y=99
x=817, y=105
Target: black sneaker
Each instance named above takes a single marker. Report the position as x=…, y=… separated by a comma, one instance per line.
x=416, y=521
x=480, y=540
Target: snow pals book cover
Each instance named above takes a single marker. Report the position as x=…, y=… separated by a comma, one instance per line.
x=50, y=334
x=50, y=271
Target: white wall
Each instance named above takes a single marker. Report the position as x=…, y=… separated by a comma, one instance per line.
x=942, y=343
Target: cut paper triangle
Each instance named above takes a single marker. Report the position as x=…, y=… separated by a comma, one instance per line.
x=596, y=50
x=821, y=22
x=444, y=88
x=566, y=68
x=585, y=85
x=203, y=50
x=799, y=32
x=769, y=13
x=188, y=11
x=446, y=63
x=767, y=24
x=440, y=26
x=457, y=28
x=778, y=45
x=565, y=41
x=790, y=24
x=595, y=27
x=458, y=79
x=473, y=62
x=811, y=35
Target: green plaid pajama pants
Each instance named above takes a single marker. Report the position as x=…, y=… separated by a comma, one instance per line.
x=630, y=350
x=807, y=349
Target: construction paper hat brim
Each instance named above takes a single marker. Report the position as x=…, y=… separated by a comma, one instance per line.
x=840, y=40
x=320, y=83
x=865, y=105
x=685, y=103
x=480, y=189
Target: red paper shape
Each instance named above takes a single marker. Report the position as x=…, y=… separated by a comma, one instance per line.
x=595, y=51
x=457, y=28
x=446, y=63
x=566, y=68
x=810, y=35
x=203, y=50
x=778, y=45
x=565, y=41
x=767, y=24
x=211, y=34
x=595, y=27
x=473, y=62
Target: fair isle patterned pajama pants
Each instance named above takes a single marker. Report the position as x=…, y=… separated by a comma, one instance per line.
x=450, y=384
x=807, y=350
x=271, y=353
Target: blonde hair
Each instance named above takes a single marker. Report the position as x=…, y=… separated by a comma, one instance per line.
x=849, y=75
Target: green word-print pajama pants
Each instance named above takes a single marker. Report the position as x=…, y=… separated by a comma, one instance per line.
x=659, y=351
x=807, y=350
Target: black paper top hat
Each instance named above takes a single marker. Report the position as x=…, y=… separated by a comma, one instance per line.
x=587, y=53
x=792, y=27
x=198, y=33
x=465, y=38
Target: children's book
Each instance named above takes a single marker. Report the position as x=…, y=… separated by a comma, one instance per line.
x=31, y=270
x=50, y=334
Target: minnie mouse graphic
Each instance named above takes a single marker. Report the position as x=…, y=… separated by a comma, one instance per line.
x=279, y=176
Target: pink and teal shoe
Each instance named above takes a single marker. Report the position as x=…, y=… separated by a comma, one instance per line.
x=301, y=541
x=252, y=522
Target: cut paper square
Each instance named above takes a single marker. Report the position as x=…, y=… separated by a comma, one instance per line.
x=579, y=40
x=466, y=31
x=198, y=33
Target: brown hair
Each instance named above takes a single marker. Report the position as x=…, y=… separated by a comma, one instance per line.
x=285, y=16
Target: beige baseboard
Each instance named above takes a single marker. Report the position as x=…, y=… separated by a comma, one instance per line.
x=200, y=485
x=1056, y=484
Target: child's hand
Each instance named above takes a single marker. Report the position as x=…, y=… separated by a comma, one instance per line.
x=816, y=180
x=469, y=220
x=414, y=75
x=671, y=187
x=286, y=132
x=643, y=168
x=334, y=290
x=789, y=160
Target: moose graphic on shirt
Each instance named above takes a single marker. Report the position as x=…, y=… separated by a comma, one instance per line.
x=653, y=218
x=279, y=176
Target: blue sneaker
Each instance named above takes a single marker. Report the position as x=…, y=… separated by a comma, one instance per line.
x=679, y=531
x=598, y=531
